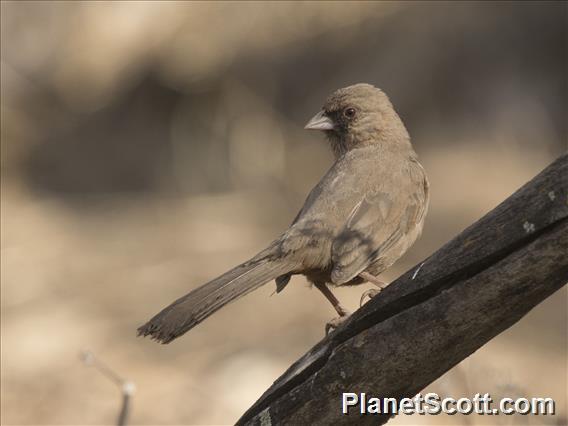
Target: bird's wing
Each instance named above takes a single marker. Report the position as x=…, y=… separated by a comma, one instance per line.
x=378, y=222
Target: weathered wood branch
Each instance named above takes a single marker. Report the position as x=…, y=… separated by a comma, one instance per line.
x=435, y=315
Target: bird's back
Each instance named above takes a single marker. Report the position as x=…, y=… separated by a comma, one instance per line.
x=352, y=220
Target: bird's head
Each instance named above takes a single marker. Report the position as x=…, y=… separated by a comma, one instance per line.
x=359, y=115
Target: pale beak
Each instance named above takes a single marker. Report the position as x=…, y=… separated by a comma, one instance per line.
x=320, y=121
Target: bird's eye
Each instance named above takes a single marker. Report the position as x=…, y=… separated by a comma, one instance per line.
x=349, y=112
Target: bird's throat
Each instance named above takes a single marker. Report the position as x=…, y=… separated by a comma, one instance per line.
x=339, y=145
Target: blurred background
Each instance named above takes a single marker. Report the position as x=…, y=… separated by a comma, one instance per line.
x=149, y=146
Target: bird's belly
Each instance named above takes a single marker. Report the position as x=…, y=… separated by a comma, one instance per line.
x=318, y=275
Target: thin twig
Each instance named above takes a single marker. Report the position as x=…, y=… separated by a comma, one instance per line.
x=127, y=388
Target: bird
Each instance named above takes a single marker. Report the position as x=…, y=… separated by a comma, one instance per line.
x=361, y=217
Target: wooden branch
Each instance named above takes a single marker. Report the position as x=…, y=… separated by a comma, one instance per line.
x=435, y=315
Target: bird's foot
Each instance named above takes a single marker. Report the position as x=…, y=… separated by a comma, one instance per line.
x=372, y=292
x=336, y=322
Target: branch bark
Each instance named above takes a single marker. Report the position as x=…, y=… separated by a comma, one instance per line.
x=435, y=315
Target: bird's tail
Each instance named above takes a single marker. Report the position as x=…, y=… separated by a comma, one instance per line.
x=189, y=310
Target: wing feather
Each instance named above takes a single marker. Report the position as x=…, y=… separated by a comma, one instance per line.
x=379, y=222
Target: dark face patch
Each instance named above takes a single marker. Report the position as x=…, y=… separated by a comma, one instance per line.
x=342, y=118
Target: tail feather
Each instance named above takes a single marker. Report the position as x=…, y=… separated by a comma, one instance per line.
x=189, y=310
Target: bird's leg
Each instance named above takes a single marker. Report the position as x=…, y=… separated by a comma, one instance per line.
x=332, y=299
x=371, y=292
x=343, y=313
x=373, y=280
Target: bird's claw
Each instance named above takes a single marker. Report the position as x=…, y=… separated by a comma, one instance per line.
x=335, y=322
x=372, y=292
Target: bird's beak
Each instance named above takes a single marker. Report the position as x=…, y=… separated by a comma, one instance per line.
x=320, y=121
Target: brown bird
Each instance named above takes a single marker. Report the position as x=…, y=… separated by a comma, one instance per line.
x=362, y=216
